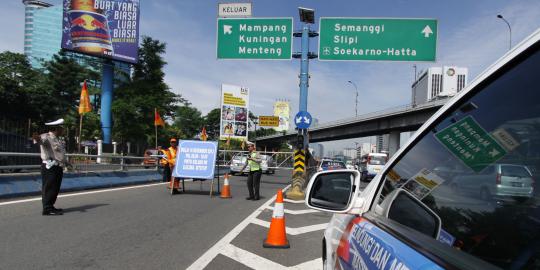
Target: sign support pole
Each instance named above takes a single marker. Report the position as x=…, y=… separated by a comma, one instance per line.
x=106, y=99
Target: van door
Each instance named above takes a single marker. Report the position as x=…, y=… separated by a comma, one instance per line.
x=417, y=213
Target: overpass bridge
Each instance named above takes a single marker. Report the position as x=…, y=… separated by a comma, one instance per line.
x=390, y=121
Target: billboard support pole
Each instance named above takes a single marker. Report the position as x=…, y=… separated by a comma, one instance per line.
x=106, y=99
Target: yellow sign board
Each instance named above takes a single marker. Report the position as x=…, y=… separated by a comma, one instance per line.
x=268, y=121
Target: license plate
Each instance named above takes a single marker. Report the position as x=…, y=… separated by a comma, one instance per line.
x=517, y=184
x=377, y=170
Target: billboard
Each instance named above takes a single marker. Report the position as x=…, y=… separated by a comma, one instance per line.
x=103, y=28
x=283, y=111
x=234, y=112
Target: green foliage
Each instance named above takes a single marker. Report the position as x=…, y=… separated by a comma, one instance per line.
x=189, y=120
x=136, y=99
x=212, y=121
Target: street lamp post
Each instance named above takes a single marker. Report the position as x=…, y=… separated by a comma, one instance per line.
x=509, y=29
x=356, y=98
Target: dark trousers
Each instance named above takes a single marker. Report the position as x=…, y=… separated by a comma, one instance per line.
x=167, y=173
x=51, y=179
x=253, y=183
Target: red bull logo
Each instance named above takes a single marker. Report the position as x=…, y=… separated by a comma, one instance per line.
x=90, y=32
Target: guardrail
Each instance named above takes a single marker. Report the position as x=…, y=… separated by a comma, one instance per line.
x=111, y=162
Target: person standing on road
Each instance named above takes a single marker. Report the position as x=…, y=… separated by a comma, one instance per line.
x=255, y=172
x=53, y=156
x=169, y=167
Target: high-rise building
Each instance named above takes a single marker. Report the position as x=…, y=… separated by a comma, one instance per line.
x=42, y=31
x=382, y=143
x=438, y=82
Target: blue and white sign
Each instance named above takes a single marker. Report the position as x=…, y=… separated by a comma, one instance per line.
x=302, y=120
x=195, y=159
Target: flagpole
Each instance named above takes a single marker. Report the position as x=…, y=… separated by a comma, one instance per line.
x=80, y=131
x=155, y=126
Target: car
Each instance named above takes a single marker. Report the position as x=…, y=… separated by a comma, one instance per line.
x=410, y=217
x=267, y=164
x=497, y=181
x=330, y=164
x=237, y=162
x=149, y=158
x=373, y=163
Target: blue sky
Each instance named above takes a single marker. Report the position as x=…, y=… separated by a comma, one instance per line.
x=470, y=36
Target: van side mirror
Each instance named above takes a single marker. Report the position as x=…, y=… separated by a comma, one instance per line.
x=333, y=191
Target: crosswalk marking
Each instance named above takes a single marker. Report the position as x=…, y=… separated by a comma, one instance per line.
x=293, y=231
x=295, y=212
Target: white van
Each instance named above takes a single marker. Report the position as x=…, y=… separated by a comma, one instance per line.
x=373, y=163
x=410, y=215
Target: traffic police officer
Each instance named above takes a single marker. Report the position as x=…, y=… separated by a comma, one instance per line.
x=53, y=157
x=255, y=172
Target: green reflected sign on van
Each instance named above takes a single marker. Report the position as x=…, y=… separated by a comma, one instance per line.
x=469, y=142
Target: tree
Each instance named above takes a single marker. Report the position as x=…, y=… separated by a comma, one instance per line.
x=135, y=100
x=22, y=89
x=212, y=122
x=189, y=120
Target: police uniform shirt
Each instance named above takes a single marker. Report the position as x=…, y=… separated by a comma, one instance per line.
x=52, y=148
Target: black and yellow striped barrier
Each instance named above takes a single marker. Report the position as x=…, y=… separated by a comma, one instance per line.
x=299, y=161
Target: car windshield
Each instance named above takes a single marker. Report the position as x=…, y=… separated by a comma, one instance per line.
x=514, y=171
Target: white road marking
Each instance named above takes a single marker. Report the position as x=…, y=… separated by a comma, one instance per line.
x=292, y=201
x=210, y=254
x=257, y=262
x=249, y=259
x=293, y=231
x=82, y=193
x=296, y=212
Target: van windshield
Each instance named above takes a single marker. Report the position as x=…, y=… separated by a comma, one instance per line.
x=515, y=171
x=377, y=160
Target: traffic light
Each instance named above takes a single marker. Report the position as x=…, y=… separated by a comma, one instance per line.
x=300, y=141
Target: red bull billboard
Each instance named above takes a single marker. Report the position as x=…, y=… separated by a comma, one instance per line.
x=103, y=28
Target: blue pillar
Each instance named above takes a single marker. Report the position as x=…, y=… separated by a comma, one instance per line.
x=304, y=68
x=106, y=100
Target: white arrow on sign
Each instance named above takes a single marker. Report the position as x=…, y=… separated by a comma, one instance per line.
x=227, y=29
x=306, y=120
x=427, y=31
x=299, y=119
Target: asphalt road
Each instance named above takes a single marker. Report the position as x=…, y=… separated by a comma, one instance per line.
x=141, y=227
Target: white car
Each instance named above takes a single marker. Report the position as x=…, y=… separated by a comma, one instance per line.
x=410, y=217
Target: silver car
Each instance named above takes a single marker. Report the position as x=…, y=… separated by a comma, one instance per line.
x=498, y=181
x=237, y=163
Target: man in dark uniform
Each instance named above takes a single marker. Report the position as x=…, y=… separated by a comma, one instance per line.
x=53, y=156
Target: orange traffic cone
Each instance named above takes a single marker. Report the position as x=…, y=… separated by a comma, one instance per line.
x=277, y=237
x=226, y=191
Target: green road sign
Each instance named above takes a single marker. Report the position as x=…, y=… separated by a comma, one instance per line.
x=377, y=39
x=469, y=142
x=254, y=38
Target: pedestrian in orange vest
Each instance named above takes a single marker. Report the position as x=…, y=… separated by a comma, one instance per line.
x=168, y=163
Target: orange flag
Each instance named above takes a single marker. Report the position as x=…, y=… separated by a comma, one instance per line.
x=84, y=103
x=157, y=119
x=204, y=136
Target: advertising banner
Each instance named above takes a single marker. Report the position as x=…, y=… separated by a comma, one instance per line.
x=234, y=112
x=196, y=159
x=268, y=121
x=283, y=111
x=103, y=28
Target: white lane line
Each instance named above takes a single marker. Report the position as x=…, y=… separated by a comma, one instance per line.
x=249, y=259
x=291, y=201
x=210, y=254
x=311, y=265
x=293, y=231
x=82, y=193
x=296, y=212
x=257, y=262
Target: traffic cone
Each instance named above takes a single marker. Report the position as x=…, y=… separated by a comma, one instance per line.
x=226, y=191
x=277, y=237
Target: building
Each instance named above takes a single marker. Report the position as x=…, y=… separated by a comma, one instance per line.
x=42, y=31
x=316, y=150
x=382, y=143
x=438, y=82
x=349, y=153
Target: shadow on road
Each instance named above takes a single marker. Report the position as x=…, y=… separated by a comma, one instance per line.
x=83, y=208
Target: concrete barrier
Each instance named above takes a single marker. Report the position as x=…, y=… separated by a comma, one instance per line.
x=14, y=185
